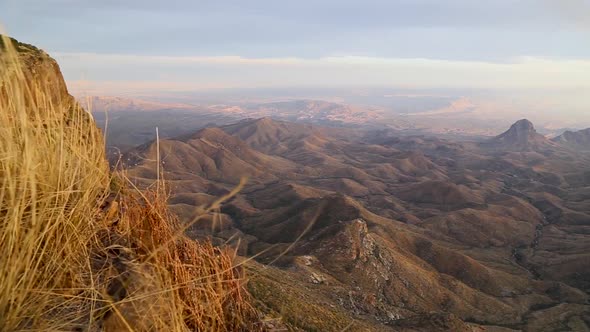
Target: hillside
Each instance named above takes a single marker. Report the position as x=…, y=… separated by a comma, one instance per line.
x=80, y=249
x=575, y=139
x=396, y=234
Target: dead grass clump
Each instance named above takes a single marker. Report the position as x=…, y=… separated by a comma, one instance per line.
x=202, y=279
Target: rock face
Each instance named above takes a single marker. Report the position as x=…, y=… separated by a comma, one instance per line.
x=40, y=70
x=521, y=136
x=39, y=80
x=579, y=140
x=42, y=84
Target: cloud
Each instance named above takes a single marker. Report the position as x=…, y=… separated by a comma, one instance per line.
x=573, y=12
x=194, y=72
x=129, y=59
x=450, y=29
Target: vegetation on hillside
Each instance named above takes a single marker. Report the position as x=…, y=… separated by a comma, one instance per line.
x=79, y=248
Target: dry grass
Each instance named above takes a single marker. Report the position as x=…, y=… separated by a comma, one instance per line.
x=74, y=254
x=203, y=281
x=53, y=174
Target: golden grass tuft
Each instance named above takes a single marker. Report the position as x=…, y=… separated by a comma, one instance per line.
x=53, y=174
x=204, y=281
x=76, y=255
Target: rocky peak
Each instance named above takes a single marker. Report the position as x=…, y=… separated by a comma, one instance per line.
x=521, y=136
x=520, y=131
x=523, y=125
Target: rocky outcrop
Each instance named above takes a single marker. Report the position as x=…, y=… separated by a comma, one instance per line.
x=521, y=136
x=39, y=69
x=37, y=78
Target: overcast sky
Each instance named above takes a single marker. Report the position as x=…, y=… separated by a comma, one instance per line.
x=185, y=44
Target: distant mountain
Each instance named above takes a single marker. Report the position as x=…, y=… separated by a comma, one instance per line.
x=121, y=104
x=319, y=111
x=521, y=136
x=129, y=122
x=266, y=134
x=579, y=140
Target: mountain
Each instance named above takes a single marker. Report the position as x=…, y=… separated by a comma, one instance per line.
x=395, y=233
x=209, y=154
x=275, y=136
x=102, y=104
x=579, y=140
x=316, y=111
x=129, y=122
x=521, y=136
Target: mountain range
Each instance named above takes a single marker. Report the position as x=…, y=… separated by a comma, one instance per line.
x=131, y=121
x=392, y=232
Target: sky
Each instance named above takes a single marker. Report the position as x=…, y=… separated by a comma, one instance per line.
x=149, y=45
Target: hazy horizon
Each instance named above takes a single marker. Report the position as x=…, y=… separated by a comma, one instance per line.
x=526, y=54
